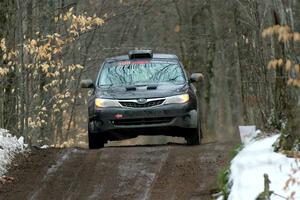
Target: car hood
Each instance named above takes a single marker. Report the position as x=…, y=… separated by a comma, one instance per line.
x=120, y=92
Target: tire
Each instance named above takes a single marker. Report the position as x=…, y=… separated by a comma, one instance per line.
x=95, y=139
x=194, y=137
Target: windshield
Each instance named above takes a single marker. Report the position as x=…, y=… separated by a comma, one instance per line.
x=141, y=72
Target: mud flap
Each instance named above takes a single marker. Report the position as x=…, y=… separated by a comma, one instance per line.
x=194, y=119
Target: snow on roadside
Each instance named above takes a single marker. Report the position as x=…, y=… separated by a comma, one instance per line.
x=256, y=159
x=9, y=147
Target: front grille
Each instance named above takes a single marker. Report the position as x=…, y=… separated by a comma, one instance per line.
x=138, y=105
x=142, y=121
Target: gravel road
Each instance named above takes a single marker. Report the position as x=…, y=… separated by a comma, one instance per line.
x=131, y=172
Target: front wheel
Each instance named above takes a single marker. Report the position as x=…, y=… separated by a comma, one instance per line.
x=194, y=136
x=96, y=141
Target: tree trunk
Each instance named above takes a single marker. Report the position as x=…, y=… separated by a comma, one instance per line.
x=290, y=140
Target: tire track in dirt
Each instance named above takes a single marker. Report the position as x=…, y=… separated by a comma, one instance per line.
x=138, y=170
x=189, y=173
x=133, y=172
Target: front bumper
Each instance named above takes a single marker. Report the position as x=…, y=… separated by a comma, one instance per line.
x=159, y=120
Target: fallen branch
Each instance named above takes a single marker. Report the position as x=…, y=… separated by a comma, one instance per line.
x=6, y=179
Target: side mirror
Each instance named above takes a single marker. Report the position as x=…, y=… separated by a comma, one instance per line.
x=88, y=83
x=196, y=77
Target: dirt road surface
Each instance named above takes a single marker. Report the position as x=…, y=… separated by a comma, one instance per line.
x=132, y=172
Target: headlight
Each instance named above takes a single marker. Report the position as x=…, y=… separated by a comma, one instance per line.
x=104, y=103
x=183, y=98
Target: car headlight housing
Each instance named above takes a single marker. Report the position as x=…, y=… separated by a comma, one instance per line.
x=105, y=103
x=183, y=98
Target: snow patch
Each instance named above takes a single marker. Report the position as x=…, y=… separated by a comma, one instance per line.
x=45, y=147
x=9, y=147
x=256, y=159
x=247, y=133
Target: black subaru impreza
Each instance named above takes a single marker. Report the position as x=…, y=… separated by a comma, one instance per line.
x=142, y=94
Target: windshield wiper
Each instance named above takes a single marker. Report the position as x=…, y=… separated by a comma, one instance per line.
x=152, y=87
x=130, y=88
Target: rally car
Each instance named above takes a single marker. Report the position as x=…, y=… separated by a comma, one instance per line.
x=142, y=93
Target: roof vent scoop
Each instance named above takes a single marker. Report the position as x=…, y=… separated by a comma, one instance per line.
x=136, y=54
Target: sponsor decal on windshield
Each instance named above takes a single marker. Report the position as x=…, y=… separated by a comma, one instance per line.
x=137, y=62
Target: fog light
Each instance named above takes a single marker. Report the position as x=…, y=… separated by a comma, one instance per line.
x=187, y=118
